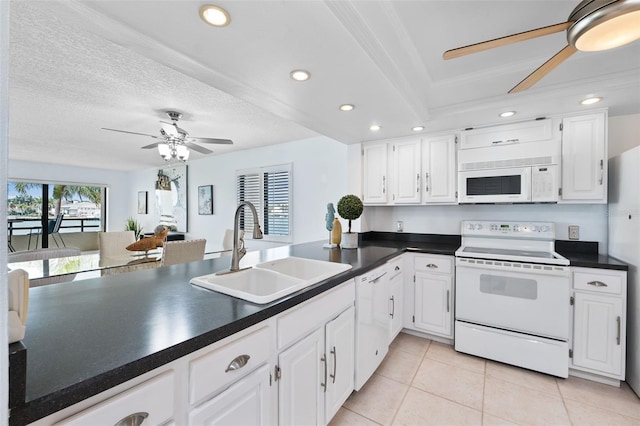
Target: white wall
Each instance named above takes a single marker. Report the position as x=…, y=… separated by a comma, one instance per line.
x=119, y=197
x=319, y=177
x=624, y=133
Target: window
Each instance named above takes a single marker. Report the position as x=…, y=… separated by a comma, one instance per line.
x=269, y=190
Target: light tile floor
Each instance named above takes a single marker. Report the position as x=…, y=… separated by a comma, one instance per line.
x=421, y=382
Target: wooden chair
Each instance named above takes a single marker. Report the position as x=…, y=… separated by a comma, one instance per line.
x=183, y=251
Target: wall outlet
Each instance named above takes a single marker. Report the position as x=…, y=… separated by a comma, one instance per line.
x=574, y=232
x=400, y=226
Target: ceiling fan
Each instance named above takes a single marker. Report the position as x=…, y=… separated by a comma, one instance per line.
x=175, y=142
x=593, y=25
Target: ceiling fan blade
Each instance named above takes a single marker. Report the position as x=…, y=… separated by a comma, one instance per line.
x=503, y=41
x=153, y=145
x=133, y=133
x=198, y=148
x=212, y=140
x=170, y=129
x=544, y=69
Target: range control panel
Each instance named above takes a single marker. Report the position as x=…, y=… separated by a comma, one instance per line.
x=535, y=230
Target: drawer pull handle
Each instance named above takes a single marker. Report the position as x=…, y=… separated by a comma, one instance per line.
x=597, y=284
x=397, y=268
x=432, y=266
x=324, y=361
x=618, y=335
x=134, y=419
x=237, y=363
x=335, y=364
x=377, y=278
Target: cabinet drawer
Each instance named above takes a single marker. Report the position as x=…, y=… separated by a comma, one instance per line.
x=298, y=322
x=395, y=267
x=431, y=263
x=153, y=401
x=217, y=369
x=599, y=281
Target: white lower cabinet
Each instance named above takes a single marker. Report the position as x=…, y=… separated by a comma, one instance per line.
x=433, y=295
x=315, y=375
x=599, y=322
x=246, y=402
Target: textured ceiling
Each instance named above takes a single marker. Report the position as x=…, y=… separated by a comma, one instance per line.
x=79, y=66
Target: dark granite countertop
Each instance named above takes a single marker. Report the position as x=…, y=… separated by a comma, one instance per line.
x=88, y=336
x=585, y=254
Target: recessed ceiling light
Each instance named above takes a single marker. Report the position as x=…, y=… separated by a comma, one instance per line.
x=507, y=114
x=214, y=15
x=375, y=128
x=300, y=75
x=590, y=101
x=418, y=128
x=346, y=107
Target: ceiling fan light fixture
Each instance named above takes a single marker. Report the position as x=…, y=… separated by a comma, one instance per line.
x=604, y=24
x=215, y=15
x=182, y=152
x=165, y=151
x=300, y=75
x=590, y=100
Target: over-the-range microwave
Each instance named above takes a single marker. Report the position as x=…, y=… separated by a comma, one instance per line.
x=510, y=173
x=530, y=184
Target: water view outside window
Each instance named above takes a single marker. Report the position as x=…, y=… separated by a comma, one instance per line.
x=80, y=205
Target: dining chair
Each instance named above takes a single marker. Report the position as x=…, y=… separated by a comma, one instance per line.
x=42, y=254
x=113, y=244
x=53, y=229
x=183, y=251
x=18, y=298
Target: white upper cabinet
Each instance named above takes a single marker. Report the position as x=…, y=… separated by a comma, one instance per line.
x=439, y=169
x=508, y=134
x=375, y=173
x=406, y=172
x=584, y=159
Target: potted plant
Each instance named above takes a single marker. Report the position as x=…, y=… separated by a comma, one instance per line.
x=350, y=208
x=133, y=225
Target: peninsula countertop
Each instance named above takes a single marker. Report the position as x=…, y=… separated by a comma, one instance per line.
x=88, y=336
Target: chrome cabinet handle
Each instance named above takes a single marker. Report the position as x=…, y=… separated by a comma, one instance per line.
x=237, y=363
x=597, y=284
x=384, y=186
x=432, y=266
x=324, y=385
x=335, y=364
x=377, y=278
x=513, y=140
x=418, y=183
x=426, y=182
x=618, y=335
x=601, y=171
x=496, y=142
x=448, y=302
x=397, y=268
x=393, y=306
x=134, y=419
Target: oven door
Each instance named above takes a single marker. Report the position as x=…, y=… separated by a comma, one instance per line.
x=522, y=297
x=511, y=185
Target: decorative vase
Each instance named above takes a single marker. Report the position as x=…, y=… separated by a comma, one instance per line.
x=349, y=240
x=336, y=232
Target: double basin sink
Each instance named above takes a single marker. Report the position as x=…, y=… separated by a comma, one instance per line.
x=268, y=281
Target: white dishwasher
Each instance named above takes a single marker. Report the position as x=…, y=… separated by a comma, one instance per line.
x=372, y=323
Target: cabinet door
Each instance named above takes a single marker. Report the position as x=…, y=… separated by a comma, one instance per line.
x=375, y=173
x=246, y=402
x=584, y=160
x=340, y=352
x=598, y=335
x=302, y=380
x=406, y=172
x=439, y=169
x=433, y=303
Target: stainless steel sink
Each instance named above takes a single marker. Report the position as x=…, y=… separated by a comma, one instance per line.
x=269, y=281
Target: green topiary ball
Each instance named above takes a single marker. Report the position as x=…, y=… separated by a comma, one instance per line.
x=350, y=208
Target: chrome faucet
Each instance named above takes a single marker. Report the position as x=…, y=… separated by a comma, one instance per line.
x=238, y=241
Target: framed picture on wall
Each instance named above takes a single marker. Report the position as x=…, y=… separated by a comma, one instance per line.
x=205, y=199
x=142, y=202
